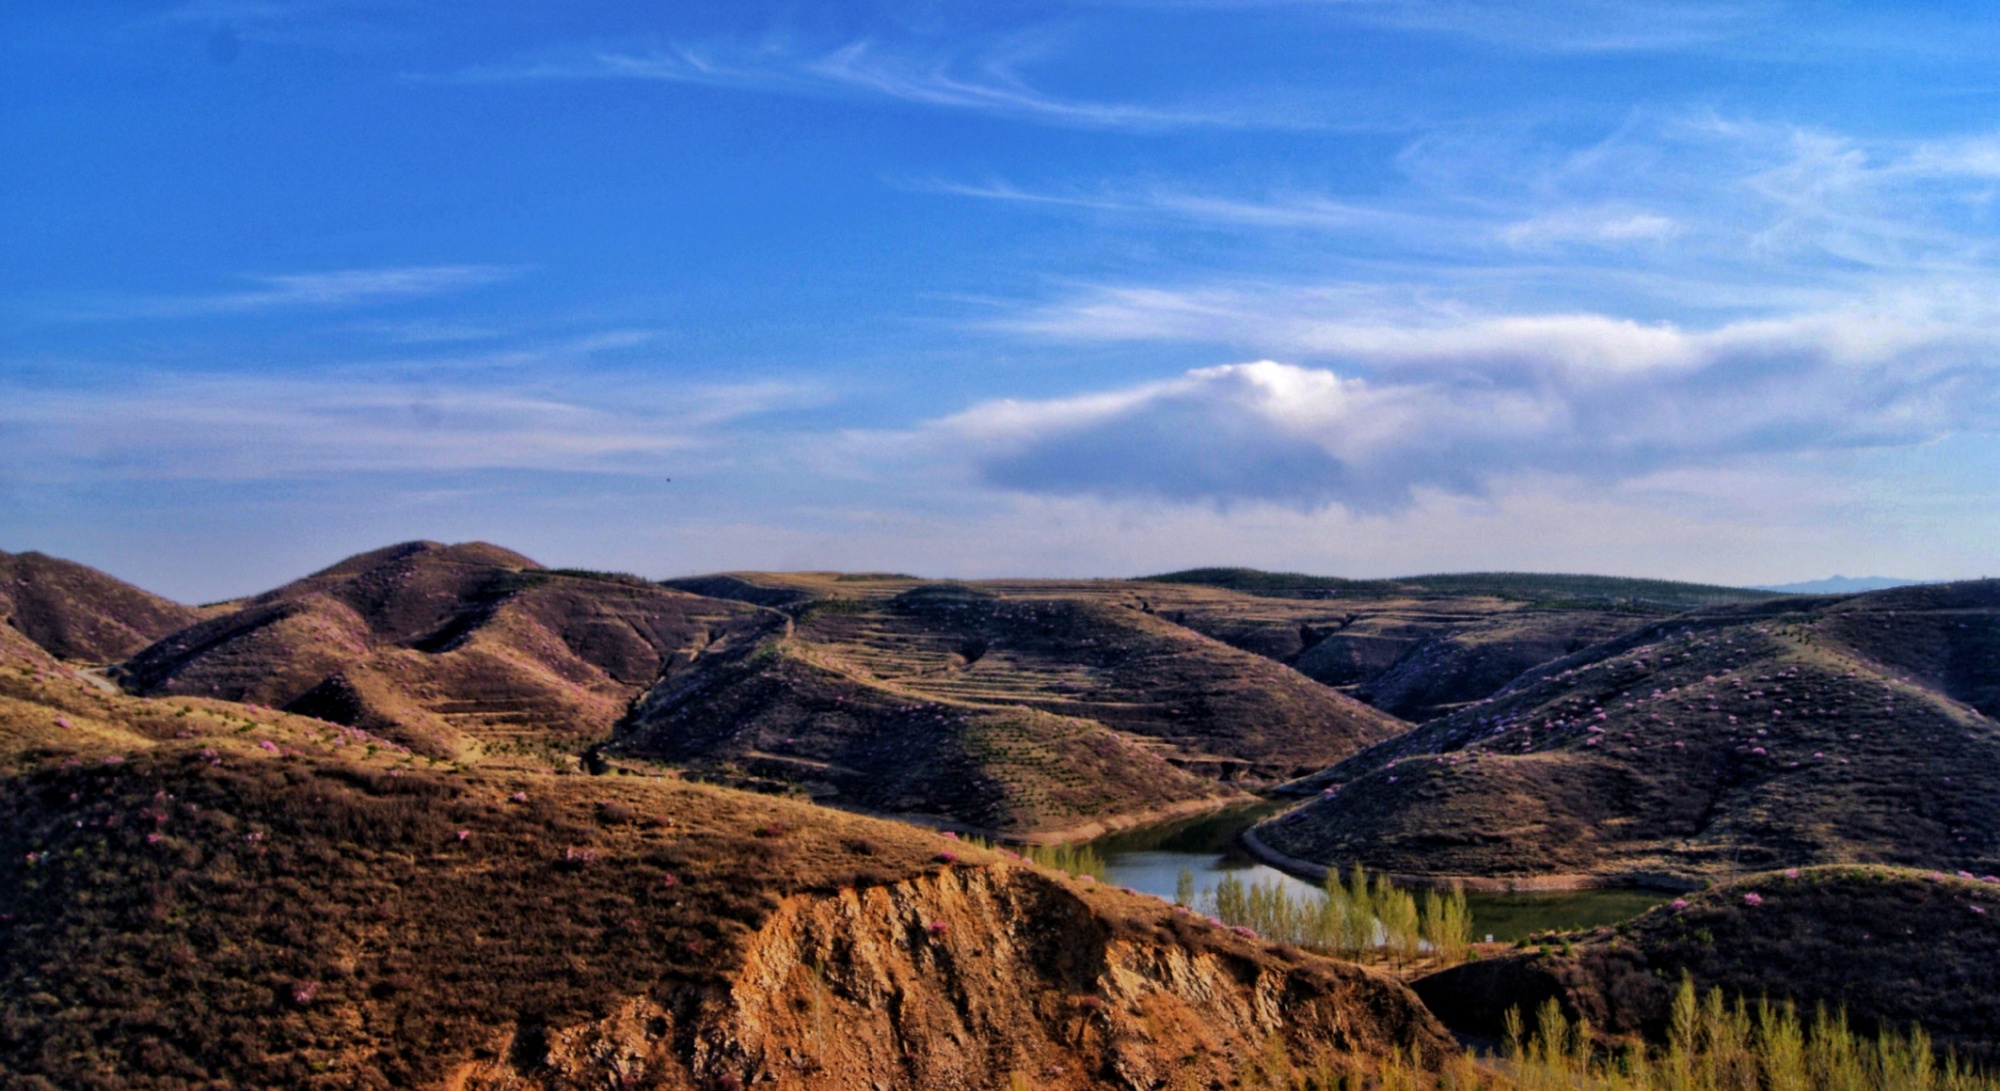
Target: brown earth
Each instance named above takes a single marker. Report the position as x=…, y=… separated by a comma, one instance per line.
x=77, y=613
x=1855, y=729
x=1419, y=647
x=457, y=651
x=1888, y=946
x=194, y=893
x=1011, y=706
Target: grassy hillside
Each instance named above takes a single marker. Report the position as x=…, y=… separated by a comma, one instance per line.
x=1010, y=708
x=78, y=613
x=1889, y=947
x=456, y=651
x=1797, y=732
x=194, y=893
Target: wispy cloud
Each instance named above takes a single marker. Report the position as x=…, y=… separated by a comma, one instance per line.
x=988, y=82
x=1545, y=26
x=341, y=288
x=1285, y=211
x=403, y=418
x=1574, y=26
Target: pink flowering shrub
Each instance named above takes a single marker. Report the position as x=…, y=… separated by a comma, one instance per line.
x=1753, y=899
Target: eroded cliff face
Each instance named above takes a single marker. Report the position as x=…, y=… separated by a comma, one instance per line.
x=976, y=978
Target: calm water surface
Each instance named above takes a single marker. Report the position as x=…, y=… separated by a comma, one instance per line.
x=1150, y=858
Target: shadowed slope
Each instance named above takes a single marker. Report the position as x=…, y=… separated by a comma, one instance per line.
x=194, y=893
x=1890, y=947
x=78, y=613
x=1023, y=707
x=450, y=649
x=1790, y=733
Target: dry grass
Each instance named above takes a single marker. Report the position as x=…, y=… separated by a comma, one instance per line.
x=1732, y=741
x=1890, y=947
x=1007, y=711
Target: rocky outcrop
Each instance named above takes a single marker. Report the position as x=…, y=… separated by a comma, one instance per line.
x=982, y=977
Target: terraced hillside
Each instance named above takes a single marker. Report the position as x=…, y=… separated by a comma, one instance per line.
x=77, y=613
x=456, y=650
x=1805, y=731
x=196, y=893
x=1888, y=947
x=1421, y=646
x=1009, y=706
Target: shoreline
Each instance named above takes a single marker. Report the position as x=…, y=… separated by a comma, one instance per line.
x=1085, y=831
x=1481, y=884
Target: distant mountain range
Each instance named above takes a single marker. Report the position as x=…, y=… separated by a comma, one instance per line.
x=1840, y=585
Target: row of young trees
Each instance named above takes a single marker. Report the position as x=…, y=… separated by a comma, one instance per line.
x=1361, y=916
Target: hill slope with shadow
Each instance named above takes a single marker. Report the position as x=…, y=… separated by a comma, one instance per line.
x=1890, y=947
x=1854, y=729
x=77, y=613
x=1422, y=646
x=453, y=650
x=1039, y=710
x=194, y=893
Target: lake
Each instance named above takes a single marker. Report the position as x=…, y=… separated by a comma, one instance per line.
x=1149, y=859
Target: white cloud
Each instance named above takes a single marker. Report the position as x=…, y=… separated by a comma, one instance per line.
x=449, y=419
x=989, y=83
x=340, y=288
x=1599, y=226
x=1452, y=406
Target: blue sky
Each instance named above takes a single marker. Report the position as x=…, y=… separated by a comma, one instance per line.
x=1698, y=290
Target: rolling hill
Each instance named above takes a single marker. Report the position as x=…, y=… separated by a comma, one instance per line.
x=77, y=613
x=452, y=650
x=1887, y=947
x=197, y=893
x=1801, y=731
x=1018, y=707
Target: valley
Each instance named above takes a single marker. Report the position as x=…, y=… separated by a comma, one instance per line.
x=440, y=816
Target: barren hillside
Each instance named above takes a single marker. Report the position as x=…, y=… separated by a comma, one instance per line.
x=77, y=613
x=1832, y=730
x=453, y=650
x=194, y=893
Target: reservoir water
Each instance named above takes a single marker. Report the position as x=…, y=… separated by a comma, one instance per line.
x=1150, y=858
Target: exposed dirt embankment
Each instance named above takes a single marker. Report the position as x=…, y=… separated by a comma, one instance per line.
x=970, y=977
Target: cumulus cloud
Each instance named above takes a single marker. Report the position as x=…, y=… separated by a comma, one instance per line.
x=1453, y=408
